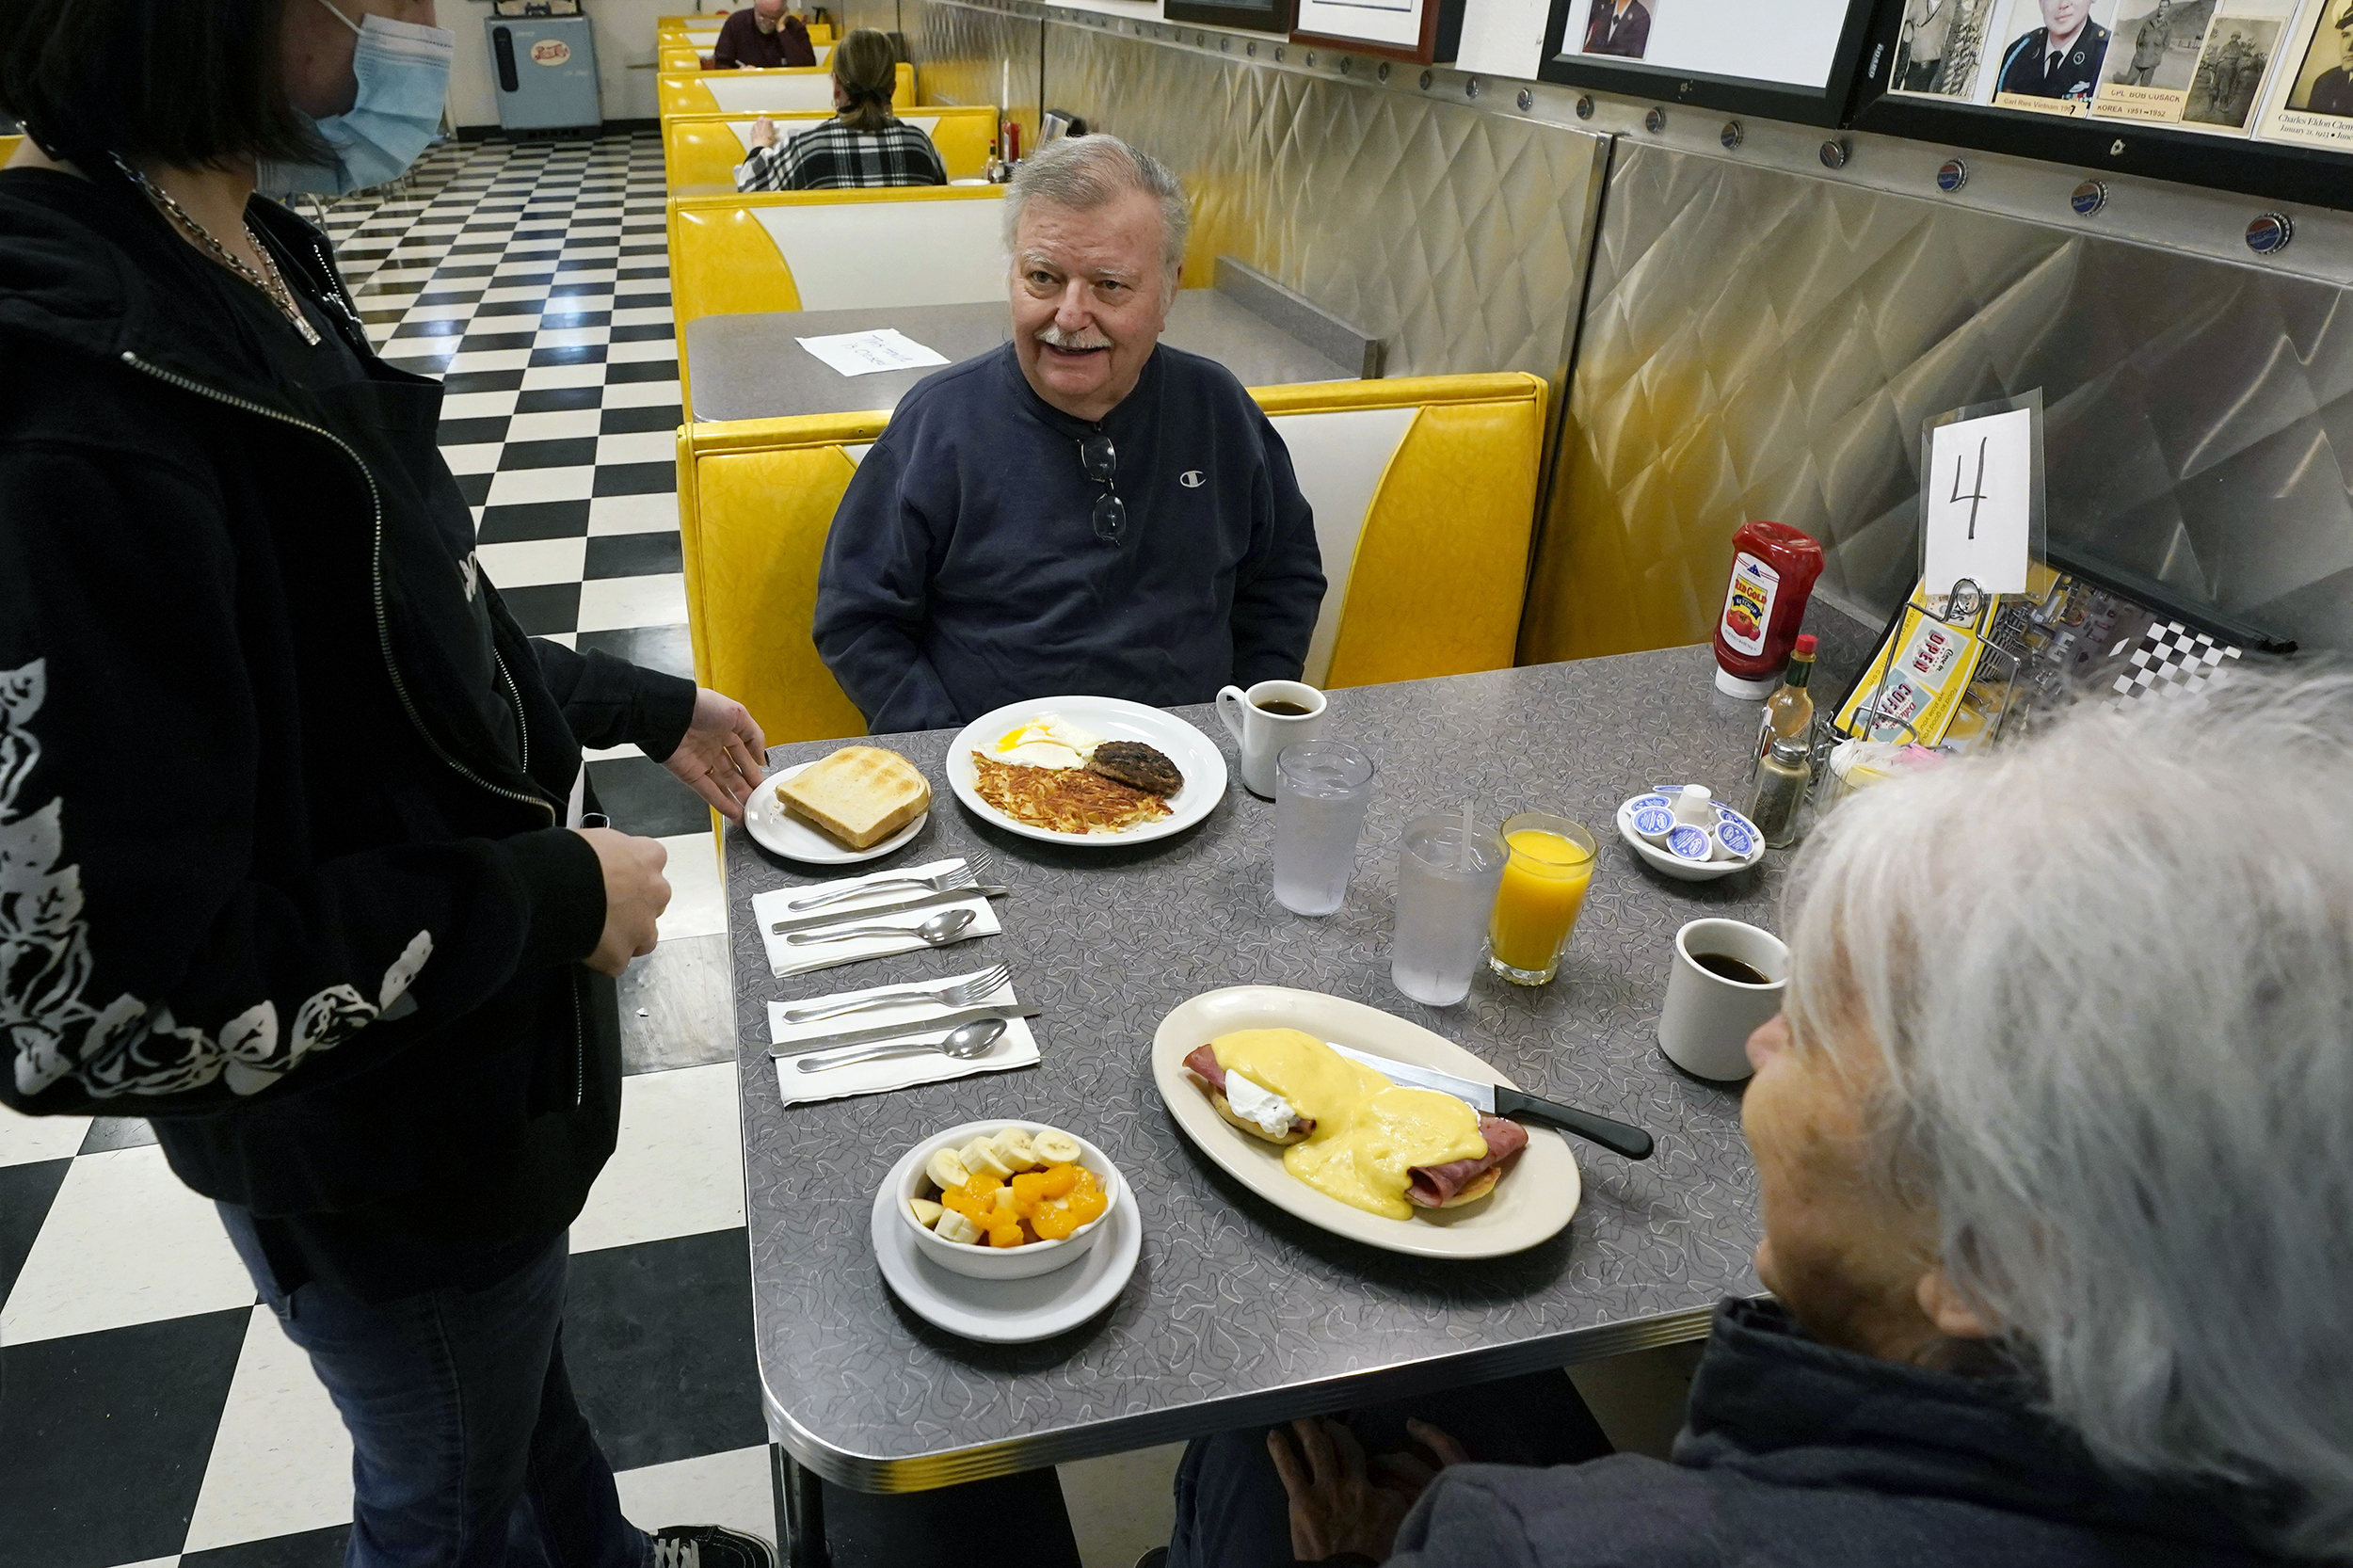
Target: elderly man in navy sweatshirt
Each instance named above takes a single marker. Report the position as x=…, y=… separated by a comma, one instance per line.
x=1084, y=510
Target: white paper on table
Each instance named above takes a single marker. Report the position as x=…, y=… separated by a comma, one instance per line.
x=1979, y=516
x=1015, y=1048
x=864, y=353
x=790, y=958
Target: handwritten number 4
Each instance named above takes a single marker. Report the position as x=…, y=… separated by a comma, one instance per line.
x=1976, y=496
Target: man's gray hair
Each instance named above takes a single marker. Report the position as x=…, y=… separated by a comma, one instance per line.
x=1086, y=173
x=2110, y=973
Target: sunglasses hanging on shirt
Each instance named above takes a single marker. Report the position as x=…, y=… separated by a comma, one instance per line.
x=1100, y=463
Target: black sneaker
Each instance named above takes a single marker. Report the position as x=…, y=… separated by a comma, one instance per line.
x=709, y=1546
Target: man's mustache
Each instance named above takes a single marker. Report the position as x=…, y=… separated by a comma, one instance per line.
x=1054, y=337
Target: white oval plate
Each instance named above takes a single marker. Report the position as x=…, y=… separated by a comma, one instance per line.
x=1667, y=865
x=768, y=822
x=1115, y=719
x=1002, y=1311
x=1535, y=1199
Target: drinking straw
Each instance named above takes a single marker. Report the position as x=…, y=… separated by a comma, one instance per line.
x=1462, y=850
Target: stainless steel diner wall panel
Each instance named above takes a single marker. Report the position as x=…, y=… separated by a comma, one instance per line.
x=1759, y=343
x=965, y=54
x=1459, y=236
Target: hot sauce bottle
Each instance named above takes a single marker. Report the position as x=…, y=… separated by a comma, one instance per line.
x=1773, y=568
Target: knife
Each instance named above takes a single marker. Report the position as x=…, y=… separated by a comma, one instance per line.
x=1496, y=1100
x=838, y=916
x=942, y=1024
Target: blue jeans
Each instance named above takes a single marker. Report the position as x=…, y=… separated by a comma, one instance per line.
x=1233, y=1512
x=468, y=1449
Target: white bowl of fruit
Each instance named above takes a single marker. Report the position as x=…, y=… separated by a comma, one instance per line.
x=1005, y=1200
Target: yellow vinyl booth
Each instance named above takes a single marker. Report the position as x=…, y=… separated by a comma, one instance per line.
x=836, y=249
x=8, y=148
x=1424, y=491
x=701, y=150
x=681, y=55
x=702, y=26
x=796, y=89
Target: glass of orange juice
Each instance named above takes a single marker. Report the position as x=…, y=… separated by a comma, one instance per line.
x=1543, y=887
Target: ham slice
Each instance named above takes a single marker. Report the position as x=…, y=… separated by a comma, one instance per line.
x=1435, y=1184
x=1203, y=1063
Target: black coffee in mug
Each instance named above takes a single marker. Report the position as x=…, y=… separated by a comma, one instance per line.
x=1726, y=967
x=1283, y=710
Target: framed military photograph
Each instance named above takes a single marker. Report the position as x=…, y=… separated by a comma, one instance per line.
x=2242, y=45
x=1938, y=46
x=2315, y=104
x=1426, y=32
x=2152, y=61
x=1789, y=59
x=2054, y=53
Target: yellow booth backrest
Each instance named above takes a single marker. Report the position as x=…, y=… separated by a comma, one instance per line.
x=836, y=249
x=1424, y=491
x=9, y=145
x=703, y=29
x=685, y=56
x=754, y=92
x=703, y=149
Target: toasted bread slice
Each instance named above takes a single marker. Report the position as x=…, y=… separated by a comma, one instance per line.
x=861, y=794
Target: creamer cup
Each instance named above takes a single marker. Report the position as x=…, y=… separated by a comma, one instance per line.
x=1651, y=822
x=1735, y=840
x=1685, y=843
x=1654, y=798
x=1695, y=806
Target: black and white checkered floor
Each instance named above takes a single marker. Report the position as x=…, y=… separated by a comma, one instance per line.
x=151, y=1413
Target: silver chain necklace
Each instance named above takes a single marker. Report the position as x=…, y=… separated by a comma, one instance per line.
x=270, y=281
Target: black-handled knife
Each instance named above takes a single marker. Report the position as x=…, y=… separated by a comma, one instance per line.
x=1618, y=1137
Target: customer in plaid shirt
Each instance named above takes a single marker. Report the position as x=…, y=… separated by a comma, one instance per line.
x=862, y=145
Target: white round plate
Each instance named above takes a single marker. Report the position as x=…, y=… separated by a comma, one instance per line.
x=1114, y=719
x=768, y=822
x=1534, y=1200
x=1667, y=865
x=1002, y=1311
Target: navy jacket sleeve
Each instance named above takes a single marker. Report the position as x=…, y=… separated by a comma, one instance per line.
x=873, y=590
x=608, y=701
x=145, y=968
x=1280, y=589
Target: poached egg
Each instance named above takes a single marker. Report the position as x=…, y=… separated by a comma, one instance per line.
x=1047, y=741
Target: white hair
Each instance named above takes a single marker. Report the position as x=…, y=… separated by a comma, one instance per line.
x=2110, y=971
x=1086, y=173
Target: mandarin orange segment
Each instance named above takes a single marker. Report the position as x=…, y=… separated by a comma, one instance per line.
x=1029, y=1190
x=1053, y=1222
x=1087, y=1205
x=1059, y=1180
x=1006, y=1235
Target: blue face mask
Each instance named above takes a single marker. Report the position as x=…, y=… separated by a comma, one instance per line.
x=403, y=74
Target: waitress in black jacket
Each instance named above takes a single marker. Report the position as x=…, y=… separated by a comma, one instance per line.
x=291, y=853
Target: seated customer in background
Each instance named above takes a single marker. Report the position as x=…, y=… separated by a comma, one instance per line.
x=763, y=36
x=1084, y=510
x=862, y=145
x=2055, y=1150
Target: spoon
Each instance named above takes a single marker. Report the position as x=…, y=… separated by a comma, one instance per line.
x=946, y=927
x=961, y=1044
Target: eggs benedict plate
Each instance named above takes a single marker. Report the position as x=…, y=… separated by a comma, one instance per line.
x=1245, y=1072
x=1055, y=739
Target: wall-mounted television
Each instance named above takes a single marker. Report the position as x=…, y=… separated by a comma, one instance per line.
x=1785, y=59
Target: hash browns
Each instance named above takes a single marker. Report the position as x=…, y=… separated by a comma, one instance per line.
x=1064, y=800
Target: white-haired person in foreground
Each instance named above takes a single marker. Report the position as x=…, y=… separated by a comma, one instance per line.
x=1081, y=509
x=2054, y=1147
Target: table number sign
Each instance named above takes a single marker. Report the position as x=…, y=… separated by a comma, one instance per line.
x=1981, y=498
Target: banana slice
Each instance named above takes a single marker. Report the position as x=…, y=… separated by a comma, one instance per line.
x=953, y=1227
x=1012, y=1148
x=946, y=1169
x=1006, y=1212
x=1056, y=1147
x=981, y=1159
x=927, y=1213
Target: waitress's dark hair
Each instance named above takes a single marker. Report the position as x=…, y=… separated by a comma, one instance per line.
x=866, y=65
x=182, y=83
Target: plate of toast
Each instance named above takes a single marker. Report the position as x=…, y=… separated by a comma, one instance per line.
x=859, y=804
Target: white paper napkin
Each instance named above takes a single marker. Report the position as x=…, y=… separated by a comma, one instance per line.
x=1017, y=1048
x=792, y=958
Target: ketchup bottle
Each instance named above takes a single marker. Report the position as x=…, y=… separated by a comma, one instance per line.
x=1773, y=568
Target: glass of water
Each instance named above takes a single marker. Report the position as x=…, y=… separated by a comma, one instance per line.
x=1446, y=886
x=1321, y=788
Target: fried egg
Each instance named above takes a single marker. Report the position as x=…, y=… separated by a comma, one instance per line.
x=1047, y=741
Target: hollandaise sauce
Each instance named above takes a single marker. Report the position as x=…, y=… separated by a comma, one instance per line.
x=1370, y=1134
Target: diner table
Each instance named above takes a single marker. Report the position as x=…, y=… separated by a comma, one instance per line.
x=752, y=367
x=1238, y=1312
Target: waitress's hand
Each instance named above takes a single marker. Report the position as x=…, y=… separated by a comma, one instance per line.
x=635, y=893
x=720, y=758
x=1340, y=1503
x=763, y=132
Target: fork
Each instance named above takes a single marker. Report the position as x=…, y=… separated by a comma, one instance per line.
x=974, y=869
x=964, y=992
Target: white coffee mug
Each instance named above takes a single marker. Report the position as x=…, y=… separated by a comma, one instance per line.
x=1706, y=1025
x=1261, y=734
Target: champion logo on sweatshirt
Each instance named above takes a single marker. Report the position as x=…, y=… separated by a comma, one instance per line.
x=1193, y=479
x=469, y=573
